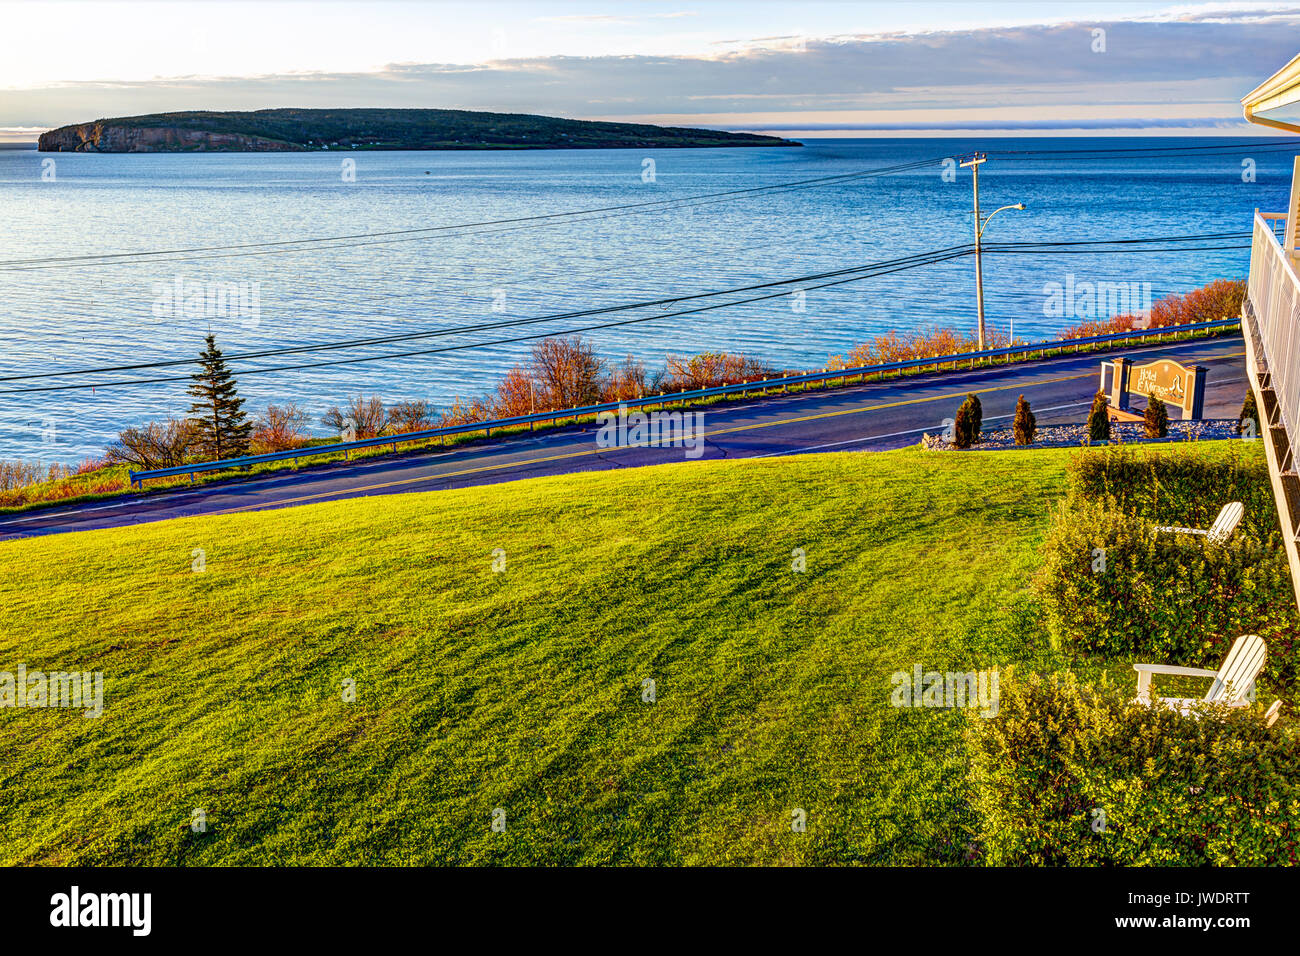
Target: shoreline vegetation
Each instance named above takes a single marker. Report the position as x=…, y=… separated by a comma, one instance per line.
x=305, y=130
x=563, y=373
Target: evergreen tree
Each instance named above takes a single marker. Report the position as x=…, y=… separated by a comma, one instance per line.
x=1248, y=411
x=1156, y=418
x=1098, y=419
x=1025, y=425
x=977, y=417
x=221, y=429
x=966, y=426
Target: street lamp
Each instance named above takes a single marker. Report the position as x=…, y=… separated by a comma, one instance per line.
x=980, y=225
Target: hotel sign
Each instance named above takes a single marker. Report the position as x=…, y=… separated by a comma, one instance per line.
x=1178, y=386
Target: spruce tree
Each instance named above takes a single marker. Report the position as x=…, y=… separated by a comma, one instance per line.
x=221, y=429
x=966, y=426
x=1156, y=418
x=1249, y=411
x=1098, y=419
x=1025, y=425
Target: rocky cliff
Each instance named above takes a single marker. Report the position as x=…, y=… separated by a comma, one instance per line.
x=100, y=138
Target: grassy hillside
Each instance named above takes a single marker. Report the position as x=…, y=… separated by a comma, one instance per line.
x=523, y=690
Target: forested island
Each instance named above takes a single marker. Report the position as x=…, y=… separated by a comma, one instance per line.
x=297, y=130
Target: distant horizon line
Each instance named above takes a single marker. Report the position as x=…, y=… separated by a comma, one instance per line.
x=1245, y=130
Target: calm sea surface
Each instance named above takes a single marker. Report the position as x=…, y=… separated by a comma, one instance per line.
x=67, y=316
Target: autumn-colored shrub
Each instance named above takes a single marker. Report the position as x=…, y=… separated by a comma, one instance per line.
x=279, y=428
x=712, y=369
x=625, y=381
x=411, y=416
x=516, y=395
x=60, y=482
x=363, y=418
x=164, y=444
x=1221, y=299
x=905, y=347
x=465, y=413
x=566, y=373
x=18, y=474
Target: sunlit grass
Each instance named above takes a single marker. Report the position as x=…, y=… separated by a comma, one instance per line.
x=523, y=690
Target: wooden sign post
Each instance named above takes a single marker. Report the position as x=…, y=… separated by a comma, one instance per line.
x=1178, y=386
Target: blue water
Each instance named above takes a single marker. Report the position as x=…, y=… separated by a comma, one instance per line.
x=77, y=316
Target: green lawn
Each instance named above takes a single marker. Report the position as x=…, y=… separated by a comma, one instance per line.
x=522, y=690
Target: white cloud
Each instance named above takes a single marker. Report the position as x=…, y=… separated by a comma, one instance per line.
x=1190, y=65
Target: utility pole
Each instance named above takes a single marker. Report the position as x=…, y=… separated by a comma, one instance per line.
x=974, y=164
x=981, y=223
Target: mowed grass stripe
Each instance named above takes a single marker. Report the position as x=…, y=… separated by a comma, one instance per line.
x=523, y=690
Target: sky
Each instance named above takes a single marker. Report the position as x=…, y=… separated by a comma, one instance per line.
x=794, y=68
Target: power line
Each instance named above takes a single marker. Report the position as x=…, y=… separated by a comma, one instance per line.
x=1007, y=247
x=856, y=274
x=282, y=246
x=955, y=253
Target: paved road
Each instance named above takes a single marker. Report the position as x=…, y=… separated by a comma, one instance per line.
x=874, y=416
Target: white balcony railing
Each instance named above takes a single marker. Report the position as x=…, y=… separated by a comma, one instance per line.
x=1274, y=290
x=1271, y=330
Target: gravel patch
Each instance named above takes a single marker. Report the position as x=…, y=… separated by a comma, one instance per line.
x=1122, y=433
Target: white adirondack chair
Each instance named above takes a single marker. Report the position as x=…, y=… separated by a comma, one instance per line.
x=1232, y=682
x=1273, y=713
x=1226, y=523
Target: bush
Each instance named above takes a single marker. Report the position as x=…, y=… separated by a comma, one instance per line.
x=566, y=372
x=412, y=416
x=364, y=418
x=624, y=382
x=1249, y=411
x=1221, y=299
x=712, y=369
x=1098, y=419
x=893, y=347
x=164, y=444
x=20, y=474
x=1174, y=486
x=966, y=426
x=1072, y=775
x=90, y=478
x=1156, y=419
x=1025, y=424
x=279, y=428
x=1110, y=587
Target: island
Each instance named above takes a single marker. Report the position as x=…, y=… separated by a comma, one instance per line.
x=300, y=130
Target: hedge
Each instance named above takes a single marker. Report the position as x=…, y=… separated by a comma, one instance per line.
x=1112, y=587
x=1173, y=487
x=1071, y=774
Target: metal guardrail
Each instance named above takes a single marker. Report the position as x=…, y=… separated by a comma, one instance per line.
x=859, y=372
